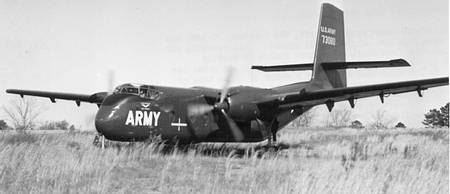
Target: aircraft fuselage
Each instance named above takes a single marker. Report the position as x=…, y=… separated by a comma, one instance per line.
x=131, y=117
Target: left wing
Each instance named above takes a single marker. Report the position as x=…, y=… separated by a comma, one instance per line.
x=330, y=96
x=96, y=98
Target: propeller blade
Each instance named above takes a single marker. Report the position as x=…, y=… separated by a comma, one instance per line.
x=199, y=109
x=224, y=92
x=110, y=81
x=237, y=133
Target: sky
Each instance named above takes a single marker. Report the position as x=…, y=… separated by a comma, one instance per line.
x=70, y=46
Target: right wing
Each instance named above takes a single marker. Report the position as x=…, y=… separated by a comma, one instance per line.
x=335, y=65
x=96, y=98
x=329, y=96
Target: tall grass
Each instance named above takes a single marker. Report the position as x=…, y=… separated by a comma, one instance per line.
x=317, y=161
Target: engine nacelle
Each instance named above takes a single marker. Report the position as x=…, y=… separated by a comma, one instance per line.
x=241, y=109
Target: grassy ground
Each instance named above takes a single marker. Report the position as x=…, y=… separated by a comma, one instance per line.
x=317, y=161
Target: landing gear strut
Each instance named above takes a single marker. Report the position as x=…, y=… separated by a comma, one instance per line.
x=273, y=133
x=269, y=141
x=99, y=140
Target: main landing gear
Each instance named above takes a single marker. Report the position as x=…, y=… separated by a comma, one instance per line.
x=272, y=145
x=272, y=140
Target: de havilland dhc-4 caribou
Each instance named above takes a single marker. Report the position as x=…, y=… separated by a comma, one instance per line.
x=134, y=112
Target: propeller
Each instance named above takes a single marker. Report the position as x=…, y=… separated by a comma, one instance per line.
x=111, y=78
x=199, y=109
x=226, y=86
x=100, y=96
x=222, y=106
x=237, y=133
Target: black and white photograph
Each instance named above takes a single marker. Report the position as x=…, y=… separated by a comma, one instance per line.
x=215, y=96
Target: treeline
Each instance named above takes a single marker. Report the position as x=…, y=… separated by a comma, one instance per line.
x=47, y=125
x=437, y=118
x=22, y=114
x=339, y=118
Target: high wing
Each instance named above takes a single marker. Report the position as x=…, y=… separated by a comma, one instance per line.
x=96, y=98
x=329, y=96
x=335, y=65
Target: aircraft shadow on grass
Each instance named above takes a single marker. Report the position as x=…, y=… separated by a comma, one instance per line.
x=215, y=149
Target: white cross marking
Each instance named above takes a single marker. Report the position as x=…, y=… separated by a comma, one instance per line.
x=179, y=124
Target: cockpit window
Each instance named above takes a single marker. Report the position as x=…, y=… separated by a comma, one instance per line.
x=144, y=91
x=132, y=90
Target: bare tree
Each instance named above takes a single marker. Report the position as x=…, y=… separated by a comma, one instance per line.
x=381, y=120
x=23, y=113
x=339, y=118
x=305, y=119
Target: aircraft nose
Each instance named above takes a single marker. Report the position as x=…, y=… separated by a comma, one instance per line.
x=114, y=113
x=101, y=120
x=108, y=115
x=104, y=119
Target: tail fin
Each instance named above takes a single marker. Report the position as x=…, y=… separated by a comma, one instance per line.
x=330, y=47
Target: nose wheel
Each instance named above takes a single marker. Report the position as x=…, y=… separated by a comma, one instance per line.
x=99, y=141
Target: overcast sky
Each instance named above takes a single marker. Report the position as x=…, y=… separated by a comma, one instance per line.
x=70, y=46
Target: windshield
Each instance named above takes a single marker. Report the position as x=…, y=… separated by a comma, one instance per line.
x=144, y=91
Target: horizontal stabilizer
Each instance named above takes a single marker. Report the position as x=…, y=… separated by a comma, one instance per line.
x=335, y=65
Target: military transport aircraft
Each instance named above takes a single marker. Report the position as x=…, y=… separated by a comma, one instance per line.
x=134, y=112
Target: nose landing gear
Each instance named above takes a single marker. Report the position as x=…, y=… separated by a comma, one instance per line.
x=99, y=141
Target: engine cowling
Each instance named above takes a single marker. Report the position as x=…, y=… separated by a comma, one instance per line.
x=242, y=110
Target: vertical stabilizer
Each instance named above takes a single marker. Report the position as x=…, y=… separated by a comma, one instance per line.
x=330, y=47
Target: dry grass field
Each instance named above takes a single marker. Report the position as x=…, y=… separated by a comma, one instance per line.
x=317, y=161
